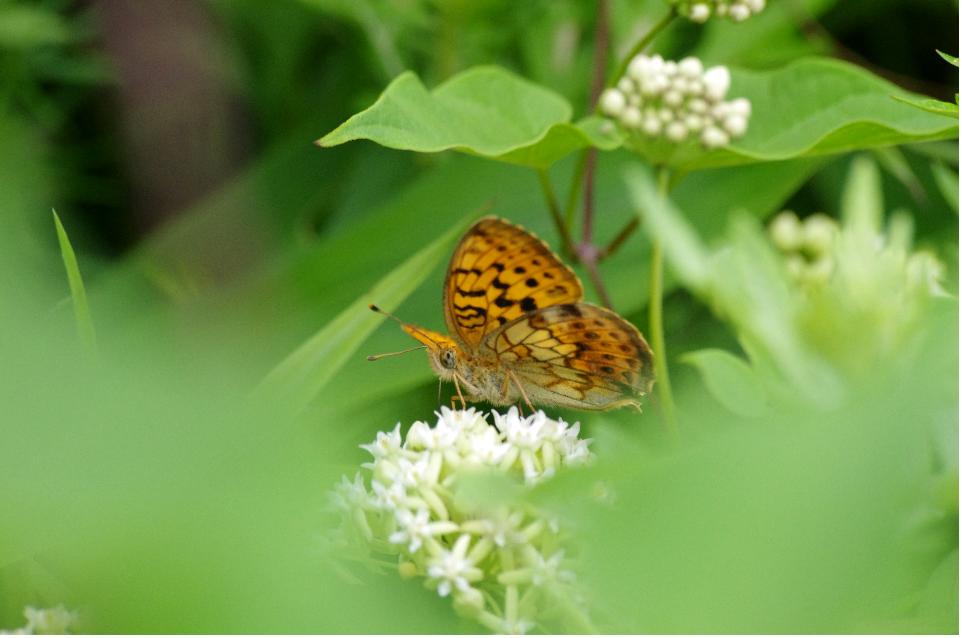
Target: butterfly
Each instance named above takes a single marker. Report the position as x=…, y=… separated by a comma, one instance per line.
x=519, y=329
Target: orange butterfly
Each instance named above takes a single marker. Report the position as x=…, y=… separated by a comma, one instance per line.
x=520, y=330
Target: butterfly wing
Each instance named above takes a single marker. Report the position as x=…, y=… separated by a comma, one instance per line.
x=498, y=273
x=576, y=355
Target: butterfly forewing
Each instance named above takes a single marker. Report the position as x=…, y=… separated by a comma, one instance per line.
x=500, y=272
x=575, y=354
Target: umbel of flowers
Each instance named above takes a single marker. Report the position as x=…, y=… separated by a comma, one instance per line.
x=506, y=566
x=702, y=10
x=676, y=102
x=53, y=620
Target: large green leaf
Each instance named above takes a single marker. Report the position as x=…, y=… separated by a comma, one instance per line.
x=819, y=106
x=730, y=380
x=302, y=375
x=485, y=111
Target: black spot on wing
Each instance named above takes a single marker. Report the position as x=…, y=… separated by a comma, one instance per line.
x=528, y=304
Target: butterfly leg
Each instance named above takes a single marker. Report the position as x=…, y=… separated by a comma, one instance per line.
x=521, y=390
x=457, y=386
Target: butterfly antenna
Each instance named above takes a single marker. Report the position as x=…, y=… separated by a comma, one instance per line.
x=402, y=324
x=375, y=357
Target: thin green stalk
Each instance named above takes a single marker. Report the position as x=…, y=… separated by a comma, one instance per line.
x=656, y=326
x=571, y=206
x=81, y=310
x=641, y=44
x=545, y=180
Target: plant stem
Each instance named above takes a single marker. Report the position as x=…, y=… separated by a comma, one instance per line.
x=577, y=178
x=562, y=227
x=656, y=325
x=619, y=239
x=587, y=251
x=641, y=44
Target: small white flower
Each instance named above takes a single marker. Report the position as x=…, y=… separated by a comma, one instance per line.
x=413, y=529
x=53, y=620
x=350, y=495
x=547, y=570
x=387, y=445
x=391, y=497
x=485, y=448
x=452, y=569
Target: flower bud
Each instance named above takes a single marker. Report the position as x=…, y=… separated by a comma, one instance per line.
x=818, y=232
x=690, y=67
x=717, y=81
x=714, y=137
x=786, y=231
x=699, y=12
x=612, y=102
x=676, y=131
x=736, y=125
x=631, y=117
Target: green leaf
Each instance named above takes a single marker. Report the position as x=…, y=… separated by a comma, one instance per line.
x=730, y=380
x=862, y=205
x=81, y=310
x=930, y=105
x=951, y=59
x=947, y=182
x=485, y=111
x=305, y=372
x=684, y=250
x=819, y=106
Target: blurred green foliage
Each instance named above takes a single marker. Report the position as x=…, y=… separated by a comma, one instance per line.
x=815, y=484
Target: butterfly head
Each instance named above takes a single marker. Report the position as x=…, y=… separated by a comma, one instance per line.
x=443, y=352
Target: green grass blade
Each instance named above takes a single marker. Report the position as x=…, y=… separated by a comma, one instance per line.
x=299, y=378
x=81, y=310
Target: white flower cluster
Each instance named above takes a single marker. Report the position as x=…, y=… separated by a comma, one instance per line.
x=677, y=101
x=807, y=245
x=54, y=620
x=501, y=565
x=702, y=10
x=811, y=251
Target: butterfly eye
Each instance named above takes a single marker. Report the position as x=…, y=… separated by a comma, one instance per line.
x=448, y=358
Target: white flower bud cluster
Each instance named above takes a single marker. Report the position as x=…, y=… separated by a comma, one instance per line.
x=735, y=10
x=677, y=101
x=807, y=245
x=52, y=621
x=514, y=555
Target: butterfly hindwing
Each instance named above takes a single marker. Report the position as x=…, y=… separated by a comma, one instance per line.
x=576, y=355
x=498, y=273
